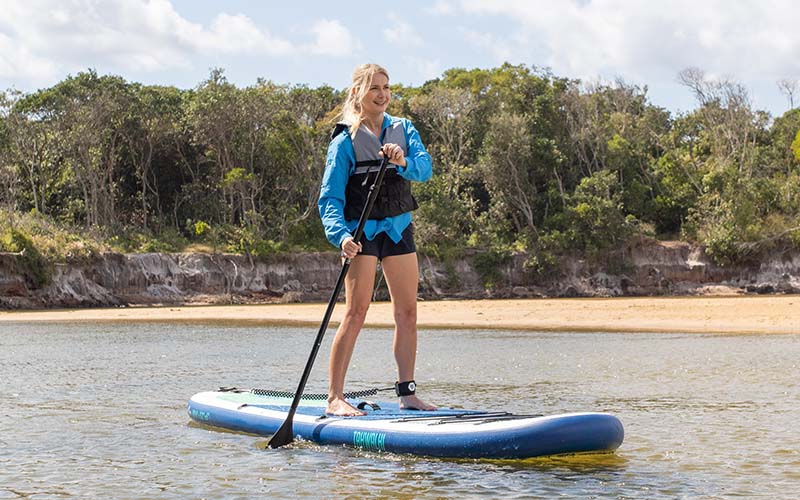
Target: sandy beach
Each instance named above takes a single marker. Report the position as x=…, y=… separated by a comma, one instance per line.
x=748, y=314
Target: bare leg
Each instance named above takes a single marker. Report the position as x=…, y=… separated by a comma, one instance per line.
x=402, y=277
x=358, y=284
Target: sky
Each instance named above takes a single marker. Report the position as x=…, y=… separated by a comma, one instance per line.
x=313, y=42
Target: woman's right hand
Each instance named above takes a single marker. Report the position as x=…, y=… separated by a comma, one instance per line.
x=350, y=248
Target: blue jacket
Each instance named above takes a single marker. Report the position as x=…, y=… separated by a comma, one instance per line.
x=340, y=164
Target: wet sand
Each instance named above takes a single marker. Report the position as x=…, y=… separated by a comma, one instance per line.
x=727, y=314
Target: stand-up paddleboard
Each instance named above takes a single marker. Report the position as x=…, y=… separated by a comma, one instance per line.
x=385, y=427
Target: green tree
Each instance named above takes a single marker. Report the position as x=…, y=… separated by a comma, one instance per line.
x=614, y=127
x=510, y=169
x=9, y=179
x=511, y=204
x=152, y=127
x=445, y=117
x=87, y=112
x=299, y=140
x=596, y=217
x=33, y=149
x=737, y=207
x=214, y=117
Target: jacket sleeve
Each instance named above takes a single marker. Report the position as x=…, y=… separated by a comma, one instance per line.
x=419, y=165
x=331, y=201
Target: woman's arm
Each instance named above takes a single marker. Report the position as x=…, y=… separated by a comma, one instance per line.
x=331, y=201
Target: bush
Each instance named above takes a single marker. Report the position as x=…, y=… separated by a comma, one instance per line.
x=488, y=264
x=594, y=221
x=544, y=262
x=35, y=267
x=169, y=241
x=245, y=241
x=442, y=220
x=201, y=228
x=55, y=242
x=308, y=235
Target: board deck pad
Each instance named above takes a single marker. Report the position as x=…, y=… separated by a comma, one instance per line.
x=445, y=432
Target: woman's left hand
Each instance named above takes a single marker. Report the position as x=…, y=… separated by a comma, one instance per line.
x=394, y=153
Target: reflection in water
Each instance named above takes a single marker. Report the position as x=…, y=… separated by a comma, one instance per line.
x=582, y=463
x=90, y=411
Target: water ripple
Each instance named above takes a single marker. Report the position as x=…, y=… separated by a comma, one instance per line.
x=98, y=411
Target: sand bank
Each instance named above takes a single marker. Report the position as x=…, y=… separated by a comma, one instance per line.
x=749, y=314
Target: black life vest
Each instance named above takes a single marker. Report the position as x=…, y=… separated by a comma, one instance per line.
x=394, y=197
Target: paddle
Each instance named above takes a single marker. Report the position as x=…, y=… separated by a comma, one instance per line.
x=285, y=434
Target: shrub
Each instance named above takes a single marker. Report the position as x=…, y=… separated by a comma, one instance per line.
x=488, y=264
x=35, y=267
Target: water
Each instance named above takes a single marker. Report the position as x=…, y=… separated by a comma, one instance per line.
x=98, y=411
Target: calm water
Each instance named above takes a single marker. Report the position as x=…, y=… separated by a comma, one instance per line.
x=98, y=411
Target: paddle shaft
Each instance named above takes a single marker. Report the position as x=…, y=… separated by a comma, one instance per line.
x=285, y=434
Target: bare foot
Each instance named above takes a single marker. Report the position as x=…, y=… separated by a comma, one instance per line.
x=341, y=408
x=414, y=403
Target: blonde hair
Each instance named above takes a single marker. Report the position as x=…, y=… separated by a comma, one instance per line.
x=362, y=79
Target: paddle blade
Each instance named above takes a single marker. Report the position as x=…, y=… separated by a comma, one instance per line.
x=284, y=436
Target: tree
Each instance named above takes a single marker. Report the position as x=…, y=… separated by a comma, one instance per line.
x=445, y=117
x=510, y=168
x=87, y=113
x=789, y=88
x=512, y=204
x=522, y=159
x=738, y=207
x=732, y=128
x=33, y=149
x=215, y=119
x=595, y=217
x=9, y=179
x=304, y=124
x=446, y=114
x=153, y=124
x=613, y=127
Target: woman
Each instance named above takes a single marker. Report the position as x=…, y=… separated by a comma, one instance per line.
x=364, y=136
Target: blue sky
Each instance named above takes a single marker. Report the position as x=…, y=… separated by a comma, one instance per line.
x=316, y=42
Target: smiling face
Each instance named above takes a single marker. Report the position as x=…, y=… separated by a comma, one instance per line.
x=378, y=95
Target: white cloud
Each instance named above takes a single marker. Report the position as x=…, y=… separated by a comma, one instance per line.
x=238, y=34
x=499, y=48
x=46, y=39
x=639, y=38
x=400, y=33
x=441, y=7
x=333, y=38
x=13, y=57
x=425, y=69
x=174, y=41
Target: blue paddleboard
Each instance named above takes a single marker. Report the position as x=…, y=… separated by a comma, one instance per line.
x=440, y=433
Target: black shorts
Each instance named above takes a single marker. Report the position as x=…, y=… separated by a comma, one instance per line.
x=383, y=246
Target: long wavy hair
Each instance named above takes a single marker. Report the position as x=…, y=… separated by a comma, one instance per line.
x=362, y=79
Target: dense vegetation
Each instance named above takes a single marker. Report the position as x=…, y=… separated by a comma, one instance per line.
x=523, y=160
